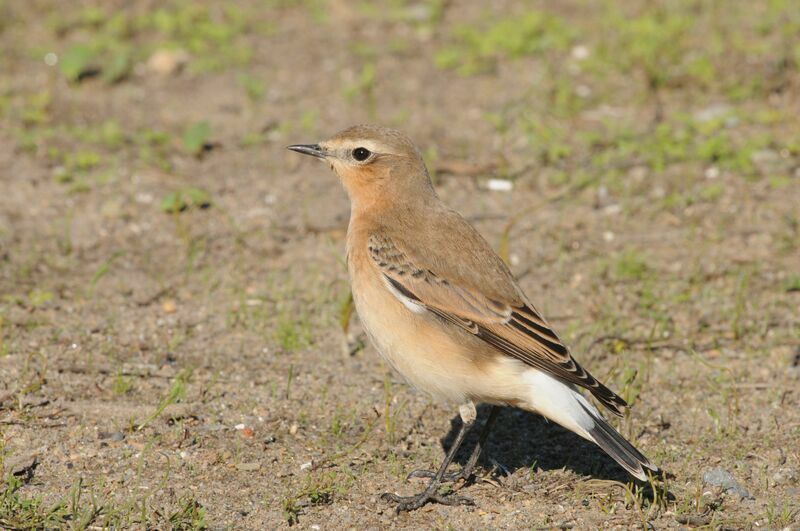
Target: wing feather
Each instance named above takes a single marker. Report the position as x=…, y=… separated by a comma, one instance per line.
x=514, y=328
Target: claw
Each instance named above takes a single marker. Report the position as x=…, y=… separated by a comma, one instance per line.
x=411, y=503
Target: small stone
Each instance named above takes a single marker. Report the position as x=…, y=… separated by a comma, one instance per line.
x=499, y=185
x=117, y=436
x=293, y=429
x=167, y=62
x=719, y=477
x=169, y=306
x=712, y=172
x=785, y=476
x=248, y=432
x=248, y=467
x=580, y=52
x=305, y=466
x=239, y=427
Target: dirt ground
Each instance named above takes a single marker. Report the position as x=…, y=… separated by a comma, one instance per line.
x=176, y=344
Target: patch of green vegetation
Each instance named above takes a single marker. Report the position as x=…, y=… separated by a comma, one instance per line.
x=35, y=109
x=363, y=88
x=655, y=43
x=122, y=384
x=196, y=137
x=320, y=488
x=4, y=346
x=18, y=511
x=475, y=48
x=630, y=265
x=154, y=148
x=712, y=192
x=741, y=296
x=184, y=199
x=253, y=86
x=792, y=283
x=293, y=333
x=75, y=62
x=781, y=516
x=38, y=298
x=189, y=515
x=83, y=507
x=176, y=392
x=111, y=42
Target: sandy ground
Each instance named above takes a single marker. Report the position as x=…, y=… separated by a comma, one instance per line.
x=172, y=294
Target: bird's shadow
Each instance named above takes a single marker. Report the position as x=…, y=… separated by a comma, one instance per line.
x=520, y=439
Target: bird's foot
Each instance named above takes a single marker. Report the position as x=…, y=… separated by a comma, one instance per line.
x=411, y=503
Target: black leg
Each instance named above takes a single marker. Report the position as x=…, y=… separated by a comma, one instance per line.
x=409, y=503
x=466, y=472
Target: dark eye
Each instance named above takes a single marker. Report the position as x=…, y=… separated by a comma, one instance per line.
x=361, y=154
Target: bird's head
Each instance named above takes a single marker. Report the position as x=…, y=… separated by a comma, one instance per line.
x=374, y=163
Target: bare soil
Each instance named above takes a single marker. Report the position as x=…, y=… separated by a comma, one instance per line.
x=183, y=368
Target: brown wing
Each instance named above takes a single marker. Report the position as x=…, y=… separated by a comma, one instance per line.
x=513, y=327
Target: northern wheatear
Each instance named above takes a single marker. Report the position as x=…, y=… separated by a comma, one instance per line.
x=445, y=311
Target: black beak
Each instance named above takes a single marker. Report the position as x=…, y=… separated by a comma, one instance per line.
x=315, y=150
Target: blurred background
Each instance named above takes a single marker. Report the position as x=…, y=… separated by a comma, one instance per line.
x=177, y=343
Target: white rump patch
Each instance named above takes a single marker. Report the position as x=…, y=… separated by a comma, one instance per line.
x=559, y=402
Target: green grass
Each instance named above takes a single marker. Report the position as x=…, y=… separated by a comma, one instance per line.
x=630, y=265
x=176, y=392
x=321, y=488
x=676, y=109
x=85, y=507
x=293, y=334
x=476, y=48
x=112, y=41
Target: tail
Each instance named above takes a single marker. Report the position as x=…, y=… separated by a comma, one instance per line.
x=563, y=403
x=617, y=447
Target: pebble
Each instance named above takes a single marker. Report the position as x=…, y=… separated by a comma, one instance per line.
x=785, y=476
x=166, y=62
x=719, y=477
x=499, y=185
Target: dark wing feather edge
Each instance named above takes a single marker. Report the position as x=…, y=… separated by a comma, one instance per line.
x=533, y=328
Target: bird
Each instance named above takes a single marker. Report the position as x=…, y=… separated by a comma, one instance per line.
x=445, y=311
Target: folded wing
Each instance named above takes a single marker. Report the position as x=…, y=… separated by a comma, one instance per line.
x=499, y=315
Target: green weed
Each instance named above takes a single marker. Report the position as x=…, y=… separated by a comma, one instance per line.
x=196, y=137
x=293, y=334
x=184, y=199
x=363, y=88
x=176, y=392
x=630, y=265
x=21, y=512
x=122, y=384
x=189, y=515
x=475, y=48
